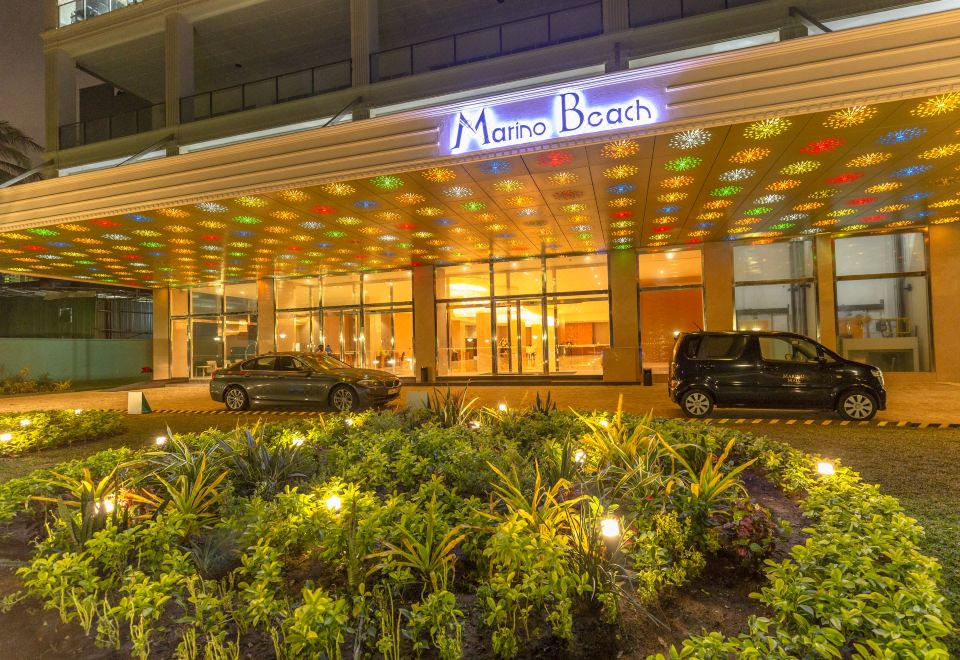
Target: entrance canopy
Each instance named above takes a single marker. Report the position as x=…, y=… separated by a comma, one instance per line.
x=863, y=168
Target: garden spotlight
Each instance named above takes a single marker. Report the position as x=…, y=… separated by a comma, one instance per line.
x=502, y=407
x=825, y=468
x=6, y=437
x=610, y=528
x=333, y=502
x=161, y=440
x=296, y=442
x=24, y=422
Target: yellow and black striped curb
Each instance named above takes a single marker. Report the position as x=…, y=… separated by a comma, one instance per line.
x=834, y=422
x=296, y=413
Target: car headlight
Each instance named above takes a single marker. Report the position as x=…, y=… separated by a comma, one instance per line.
x=367, y=382
x=877, y=374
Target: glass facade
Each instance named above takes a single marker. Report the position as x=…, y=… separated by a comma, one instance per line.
x=365, y=320
x=212, y=326
x=534, y=316
x=775, y=287
x=883, y=312
x=671, y=301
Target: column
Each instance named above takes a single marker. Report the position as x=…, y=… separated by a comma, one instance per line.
x=161, y=334
x=62, y=99
x=621, y=363
x=826, y=294
x=944, y=294
x=718, y=286
x=266, y=317
x=178, y=65
x=424, y=322
x=364, y=38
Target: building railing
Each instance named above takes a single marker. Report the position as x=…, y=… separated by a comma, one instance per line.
x=74, y=11
x=114, y=126
x=266, y=92
x=642, y=12
x=547, y=29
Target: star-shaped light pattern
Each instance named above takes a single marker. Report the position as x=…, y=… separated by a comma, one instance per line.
x=442, y=214
x=767, y=128
x=620, y=149
x=938, y=105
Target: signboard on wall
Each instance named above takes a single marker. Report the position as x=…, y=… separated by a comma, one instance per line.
x=567, y=113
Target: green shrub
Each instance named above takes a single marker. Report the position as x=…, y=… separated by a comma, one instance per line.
x=45, y=429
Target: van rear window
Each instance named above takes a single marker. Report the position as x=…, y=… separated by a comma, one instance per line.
x=721, y=347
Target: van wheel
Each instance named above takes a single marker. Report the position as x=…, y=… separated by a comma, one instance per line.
x=857, y=406
x=696, y=403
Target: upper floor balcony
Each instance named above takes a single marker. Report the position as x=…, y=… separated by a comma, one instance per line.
x=74, y=11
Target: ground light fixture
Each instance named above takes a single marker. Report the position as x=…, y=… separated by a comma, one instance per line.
x=825, y=468
x=6, y=437
x=604, y=423
x=296, y=442
x=161, y=440
x=333, y=503
x=77, y=411
x=579, y=456
x=502, y=407
x=24, y=422
x=610, y=527
x=348, y=421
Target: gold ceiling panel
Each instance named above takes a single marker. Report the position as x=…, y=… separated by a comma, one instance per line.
x=863, y=168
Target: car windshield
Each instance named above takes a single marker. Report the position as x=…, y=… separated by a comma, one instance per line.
x=324, y=361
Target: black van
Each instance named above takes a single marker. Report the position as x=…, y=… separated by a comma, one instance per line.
x=770, y=370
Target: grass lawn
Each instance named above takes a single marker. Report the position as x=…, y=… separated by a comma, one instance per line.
x=918, y=467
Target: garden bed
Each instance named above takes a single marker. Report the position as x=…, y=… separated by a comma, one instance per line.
x=476, y=533
x=45, y=429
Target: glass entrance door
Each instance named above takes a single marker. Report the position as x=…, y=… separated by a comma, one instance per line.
x=520, y=337
x=341, y=335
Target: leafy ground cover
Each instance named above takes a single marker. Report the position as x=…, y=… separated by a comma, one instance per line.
x=463, y=532
x=45, y=429
x=21, y=383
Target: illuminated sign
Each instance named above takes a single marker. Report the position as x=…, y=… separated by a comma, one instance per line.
x=566, y=114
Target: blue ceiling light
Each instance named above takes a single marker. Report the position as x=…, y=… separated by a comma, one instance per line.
x=137, y=217
x=915, y=196
x=242, y=234
x=496, y=167
x=704, y=225
x=670, y=208
x=621, y=188
x=902, y=135
x=443, y=222
x=912, y=170
x=365, y=204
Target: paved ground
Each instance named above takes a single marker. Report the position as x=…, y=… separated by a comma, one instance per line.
x=937, y=403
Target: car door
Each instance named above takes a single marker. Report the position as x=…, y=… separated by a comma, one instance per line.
x=792, y=374
x=255, y=377
x=291, y=380
x=726, y=365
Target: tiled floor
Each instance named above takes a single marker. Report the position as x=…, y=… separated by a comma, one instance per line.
x=933, y=403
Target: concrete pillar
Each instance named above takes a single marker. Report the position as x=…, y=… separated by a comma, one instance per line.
x=178, y=66
x=161, y=334
x=944, y=294
x=62, y=99
x=621, y=363
x=826, y=294
x=266, y=317
x=364, y=38
x=718, y=313
x=424, y=321
x=616, y=15
x=51, y=14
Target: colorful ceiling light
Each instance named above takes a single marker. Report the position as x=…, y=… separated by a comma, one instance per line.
x=457, y=192
x=846, y=177
x=623, y=202
x=555, y=158
x=784, y=184
x=621, y=188
x=940, y=152
x=672, y=197
x=212, y=207
x=562, y=195
x=901, y=135
x=691, y=139
x=683, y=163
x=767, y=128
x=242, y=219
x=800, y=167
x=387, y=182
x=621, y=171
x=912, y=170
x=718, y=204
x=725, y=191
x=622, y=214
x=769, y=199
x=822, y=146
x=938, y=105
x=338, y=189
x=494, y=167
x=849, y=117
x=563, y=178
x=758, y=210
x=750, y=155
x=408, y=199
x=738, y=174
x=677, y=182
x=861, y=201
x=620, y=149
x=439, y=174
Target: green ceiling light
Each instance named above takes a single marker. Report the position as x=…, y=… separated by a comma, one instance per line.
x=387, y=182
x=584, y=236
x=41, y=231
x=725, y=191
x=333, y=233
x=683, y=163
x=246, y=220
x=758, y=210
x=473, y=206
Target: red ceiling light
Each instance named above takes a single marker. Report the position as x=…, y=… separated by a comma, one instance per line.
x=407, y=226
x=622, y=214
x=35, y=248
x=822, y=146
x=211, y=237
x=555, y=158
x=414, y=264
x=323, y=210
x=105, y=222
x=860, y=201
x=130, y=257
x=568, y=194
x=874, y=218
x=694, y=240
x=294, y=247
x=661, y=229
x=847, y=177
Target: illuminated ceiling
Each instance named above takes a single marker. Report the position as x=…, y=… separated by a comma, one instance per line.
x=864, y=168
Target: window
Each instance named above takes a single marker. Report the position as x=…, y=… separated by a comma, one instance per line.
x=721, y=347
x=784, y=349
x=775, y=287
x=883, y=315
x=259, y=364
x=288, y=363
x=671, y=301
x=219, y=326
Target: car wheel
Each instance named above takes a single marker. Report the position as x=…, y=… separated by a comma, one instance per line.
x=696, y=403
x=343, y=399
x=236, y=399
x=857, y=406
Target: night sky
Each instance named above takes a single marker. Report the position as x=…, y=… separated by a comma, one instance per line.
x=21, y=65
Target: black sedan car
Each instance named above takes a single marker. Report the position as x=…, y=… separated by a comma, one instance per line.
x=770, y=370
x=301, y=378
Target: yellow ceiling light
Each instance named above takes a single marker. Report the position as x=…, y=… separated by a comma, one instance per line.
x=785, y=184
x=749, y=155
x=621, y=202
x=718, y=204
x=938, y=105
x=800, y=167
x=825, y=193
x=940, y=152
x=767, y=128
x=713, y=215
x=408, y=199
x=508, y=186
x=519, y=200
x=428, y=211
x=891, y=208
x=206, y=224
x=827, y=222
x=745, y=221
x=883, y=187
x=849, y=117
x=387, y=216
x=947, y=203
x=672, y=197
x=873, y=158
x=808, y=206
x=274, y=229
x=563, y=178
x=338, y=189
x=620, y=149
x=250, y=201
x=677, y=182
x=621, y=171
x=946, y=220
x=173, y=213
x=294, y=195
x=73, y=227
x=439, y=175
x=284, y=215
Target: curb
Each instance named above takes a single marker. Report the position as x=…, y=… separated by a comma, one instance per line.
x=827, y=422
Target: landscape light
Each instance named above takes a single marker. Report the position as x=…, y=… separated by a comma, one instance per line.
x=825, y=468
x=296, y=442
x=604, y=423
x=579, y=456
x=24, y=422
x=502, y=407
x=348, y=421
x=77, y=411
x=475, y=424
x=610, y=528
x=107, y=505
x=161, y=440
x=6, y=437
x=333, y=502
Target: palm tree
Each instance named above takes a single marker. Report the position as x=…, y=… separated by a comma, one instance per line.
x=15, y=147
